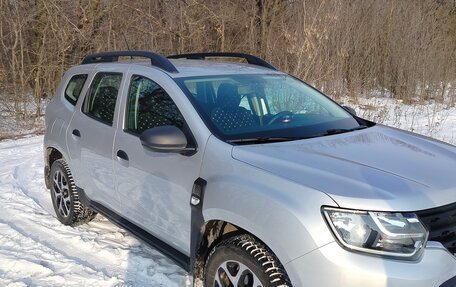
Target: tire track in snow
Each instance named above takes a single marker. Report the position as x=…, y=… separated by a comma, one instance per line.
x=37, y=250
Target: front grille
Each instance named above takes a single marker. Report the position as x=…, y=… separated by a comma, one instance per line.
x=441, y=223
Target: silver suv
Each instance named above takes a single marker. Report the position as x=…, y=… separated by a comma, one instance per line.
x=247, y=176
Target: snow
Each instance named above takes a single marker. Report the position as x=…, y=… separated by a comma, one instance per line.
x=37, y=250
x=12, y=125
x=432, y=119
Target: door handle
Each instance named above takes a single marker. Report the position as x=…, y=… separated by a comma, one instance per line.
x=76, y=133
x=122, y=155
x=122, y=158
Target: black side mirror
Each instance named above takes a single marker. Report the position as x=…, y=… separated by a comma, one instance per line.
x=165, y=139
x=350, y=110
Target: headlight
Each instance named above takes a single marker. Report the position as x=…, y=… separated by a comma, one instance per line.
x=399, y=235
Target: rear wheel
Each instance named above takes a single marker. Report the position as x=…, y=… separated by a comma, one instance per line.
x=65, y=198
x=242, y=261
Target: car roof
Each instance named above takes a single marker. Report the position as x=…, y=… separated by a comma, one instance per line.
x=191, y=68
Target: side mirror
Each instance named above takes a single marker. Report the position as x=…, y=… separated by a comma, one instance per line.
x=165, y=139
x=350, y=110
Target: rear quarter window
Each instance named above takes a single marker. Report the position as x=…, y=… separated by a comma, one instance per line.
x=74, y=88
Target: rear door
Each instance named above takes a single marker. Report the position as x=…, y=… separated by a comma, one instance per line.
x=154, y=187
x=90, y=138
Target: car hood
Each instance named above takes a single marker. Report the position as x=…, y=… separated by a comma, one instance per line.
x=378, y=168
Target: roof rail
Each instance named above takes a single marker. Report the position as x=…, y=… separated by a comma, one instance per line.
x=156, y=60
x=254, y=60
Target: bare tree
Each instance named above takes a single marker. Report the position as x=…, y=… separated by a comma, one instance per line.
x=345, y=47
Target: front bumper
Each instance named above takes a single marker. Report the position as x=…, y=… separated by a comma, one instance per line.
x=331, y=265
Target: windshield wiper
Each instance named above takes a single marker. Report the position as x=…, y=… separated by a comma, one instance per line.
x=257, y=140
x=263, y=140
x=340, y=131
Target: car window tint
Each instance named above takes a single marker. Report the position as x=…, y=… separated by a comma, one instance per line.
x=100, y=102
x=74, y=88
x=150, y=106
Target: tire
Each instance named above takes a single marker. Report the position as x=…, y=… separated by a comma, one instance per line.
x=65, y=198
x=246, y=256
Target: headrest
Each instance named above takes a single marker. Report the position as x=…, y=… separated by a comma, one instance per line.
x=108, y=92
x=228, y=96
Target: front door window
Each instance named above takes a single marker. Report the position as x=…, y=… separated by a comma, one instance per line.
x=150, y=106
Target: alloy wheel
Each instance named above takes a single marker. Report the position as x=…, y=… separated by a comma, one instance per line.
x=235, y=274
x=61, y=192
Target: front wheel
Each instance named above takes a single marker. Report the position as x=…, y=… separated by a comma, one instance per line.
x=242, y=261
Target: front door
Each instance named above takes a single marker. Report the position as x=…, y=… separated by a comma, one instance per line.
x=154, y=187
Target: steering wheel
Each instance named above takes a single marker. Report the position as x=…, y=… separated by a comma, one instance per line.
x=284, y=116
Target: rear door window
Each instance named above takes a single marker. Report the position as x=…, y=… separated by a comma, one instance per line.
x=100, y=102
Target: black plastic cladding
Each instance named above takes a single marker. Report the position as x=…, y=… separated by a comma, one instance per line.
x=253, y=60
x=197, y=220
x=156, y=60
x=441, y=222
x=450, y=283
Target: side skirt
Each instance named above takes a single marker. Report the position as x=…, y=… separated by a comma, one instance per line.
x=178, y=257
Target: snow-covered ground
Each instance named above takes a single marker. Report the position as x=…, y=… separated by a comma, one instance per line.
x=433, y=119
x=36, y=250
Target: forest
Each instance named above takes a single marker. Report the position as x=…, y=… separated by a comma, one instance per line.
x=405, y=49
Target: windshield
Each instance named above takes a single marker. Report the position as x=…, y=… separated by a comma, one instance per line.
x=246, y=107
